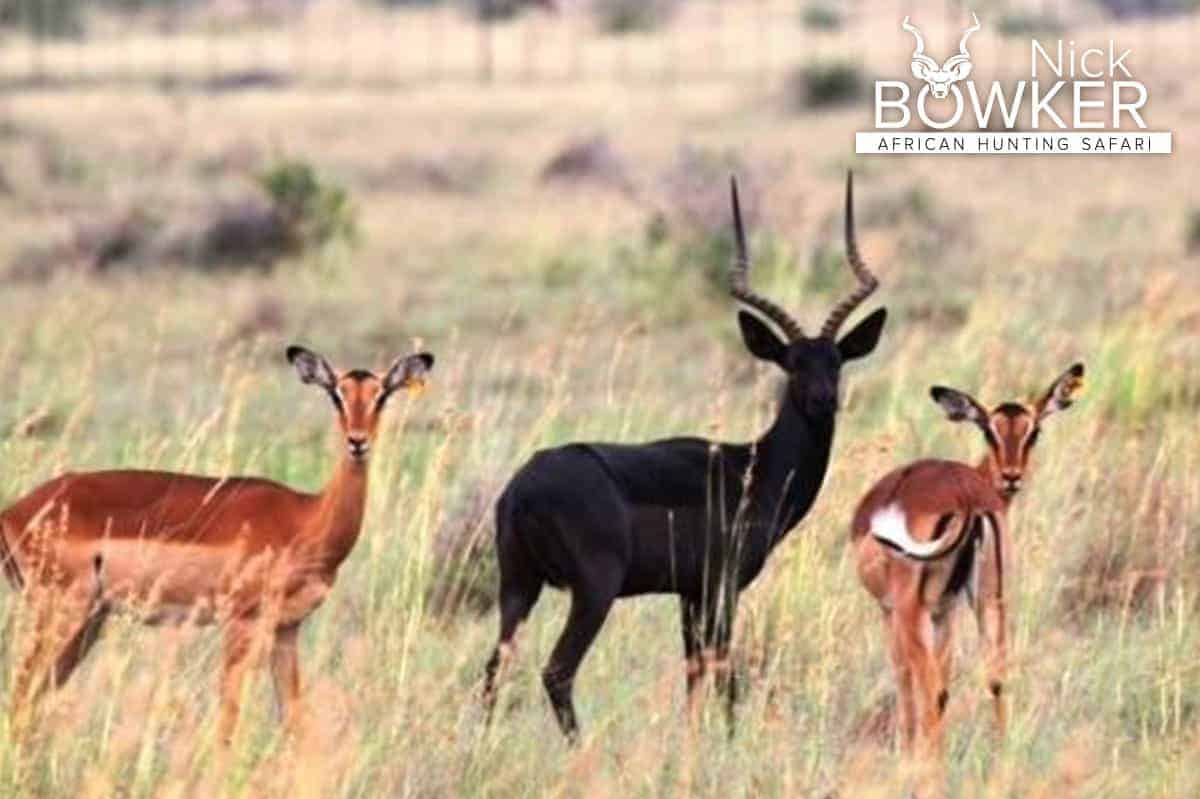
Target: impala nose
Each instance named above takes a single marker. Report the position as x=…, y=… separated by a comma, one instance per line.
x=358, y=446
x=822, y=400
x=1011, y=483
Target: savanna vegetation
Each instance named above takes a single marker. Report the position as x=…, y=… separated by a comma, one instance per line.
x=163, y=242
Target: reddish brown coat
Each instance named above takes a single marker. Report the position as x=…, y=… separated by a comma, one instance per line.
x=251, y=554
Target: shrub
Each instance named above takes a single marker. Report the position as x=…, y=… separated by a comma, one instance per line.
x=589, y=160
x=825, y=84
x=1145, y=8
x=822, y=16
x=45, y=18
x=248, y=231
x=94, y=244
x=632, y=16
x=300, y=211
x=312, y=211
x=1193, y=232
x=1025, y=23
x=294, y=211
x=499, y=10
x=138, y=5
x=492, y=10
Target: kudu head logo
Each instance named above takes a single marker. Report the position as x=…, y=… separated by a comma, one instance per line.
x=940, y=78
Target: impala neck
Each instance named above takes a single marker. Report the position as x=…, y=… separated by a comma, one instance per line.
x=791, y=459
x=340, y=511
x=988, y=472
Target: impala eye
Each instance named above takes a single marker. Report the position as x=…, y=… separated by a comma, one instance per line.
x=1033, y=437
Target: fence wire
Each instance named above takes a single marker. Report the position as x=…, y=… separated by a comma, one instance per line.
x=220, y=44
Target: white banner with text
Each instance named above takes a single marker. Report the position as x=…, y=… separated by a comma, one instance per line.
x=1010, y=143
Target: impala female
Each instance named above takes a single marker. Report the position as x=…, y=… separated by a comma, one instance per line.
x=934, y=532
x=255, y=556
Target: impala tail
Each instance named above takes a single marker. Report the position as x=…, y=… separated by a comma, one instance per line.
x=890, y=528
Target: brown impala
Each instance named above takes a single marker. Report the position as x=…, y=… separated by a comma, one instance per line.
x=249, y=554
x=935, y=531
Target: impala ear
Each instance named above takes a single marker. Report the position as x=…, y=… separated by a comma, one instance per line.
x=407, y=371
x=761, y=340
x=959, y=406
x=862, y=340
x=1062, y=392
x=311, y=367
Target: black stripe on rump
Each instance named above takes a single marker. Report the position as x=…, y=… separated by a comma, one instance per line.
x=943, y=524
x=961, y=572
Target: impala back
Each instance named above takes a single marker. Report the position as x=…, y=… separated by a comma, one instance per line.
x=157, y=541
x=646, y=505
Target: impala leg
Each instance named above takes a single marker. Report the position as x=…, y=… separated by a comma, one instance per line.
x=516, y=600
x=914, y=629
x=905, y=702
x=725, y=677
x=86, y=616
x=991, y=616
x=66, y=624
x=707, y=634
x=943, y=653
x=706, y=650
x=590, y=603
x=236, y=661
x=79, y=643
x=943, y=645
x=285, y=671
x=689, y=613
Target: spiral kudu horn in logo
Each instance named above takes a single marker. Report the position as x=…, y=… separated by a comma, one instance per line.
x=940, y=78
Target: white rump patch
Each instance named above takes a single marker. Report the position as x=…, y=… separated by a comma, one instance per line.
x=890, y=528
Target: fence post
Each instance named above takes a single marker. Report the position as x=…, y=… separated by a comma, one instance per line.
x=36, y=21
x=486, y=63
x=763, y=27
